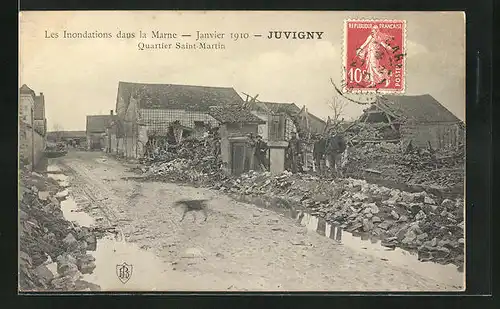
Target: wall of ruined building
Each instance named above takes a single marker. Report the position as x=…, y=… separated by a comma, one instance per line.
x=27, y=136
x=440, y=135
x=159, y=119
x=41, y=126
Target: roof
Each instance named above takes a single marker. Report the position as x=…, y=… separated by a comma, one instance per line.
x=278, y=107
x=233, y=114
x=286, y=107
x=98, y=123
x=26, y=90
x=170, y=96
x=420, y=108
x=39, y=112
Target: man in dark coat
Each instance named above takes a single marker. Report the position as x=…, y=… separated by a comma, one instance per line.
x=335, y=147
x=261, y=152
x=294, y=153
x=319, y=150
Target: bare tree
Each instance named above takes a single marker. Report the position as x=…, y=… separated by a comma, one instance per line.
x=337, y=105
x=58, y=131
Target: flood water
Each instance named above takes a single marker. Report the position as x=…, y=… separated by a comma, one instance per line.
x=447, y=274
x=111, y=251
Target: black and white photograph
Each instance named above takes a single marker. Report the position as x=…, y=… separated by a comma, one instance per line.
x=241, y=151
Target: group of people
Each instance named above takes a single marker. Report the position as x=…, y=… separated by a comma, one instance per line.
x=329, y=148
x=326, y=147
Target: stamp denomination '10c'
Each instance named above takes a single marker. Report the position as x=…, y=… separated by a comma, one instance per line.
x=374, y=56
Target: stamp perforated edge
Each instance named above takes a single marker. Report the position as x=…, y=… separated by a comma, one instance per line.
x=344, y=59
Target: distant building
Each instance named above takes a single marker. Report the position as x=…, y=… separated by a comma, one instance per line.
x=80, y=137
x=96, y=130
x=419, y=119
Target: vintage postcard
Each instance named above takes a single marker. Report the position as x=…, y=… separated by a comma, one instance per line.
x=241, y=151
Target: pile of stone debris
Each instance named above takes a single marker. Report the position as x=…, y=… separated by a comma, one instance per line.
x=47, y=239
x=444, y=168
x=416, y=221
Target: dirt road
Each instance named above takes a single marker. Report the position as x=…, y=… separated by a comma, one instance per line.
x=240, y=247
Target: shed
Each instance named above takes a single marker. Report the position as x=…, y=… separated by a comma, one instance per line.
x=419, y=119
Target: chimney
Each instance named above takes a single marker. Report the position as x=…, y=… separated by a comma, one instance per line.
x=41, y=94
x=111, y=112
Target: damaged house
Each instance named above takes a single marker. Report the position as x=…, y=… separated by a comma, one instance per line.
x=293, y=116
x=148, y=113
x=419, y=119
x=235, y=125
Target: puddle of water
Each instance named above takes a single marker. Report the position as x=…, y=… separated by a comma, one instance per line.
x=148, y=272
x=446, y=274
x=53, y=168
x=59, y=177
x=72, y=213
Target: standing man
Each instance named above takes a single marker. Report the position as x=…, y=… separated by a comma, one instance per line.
x=319, y=152
x=335, y=147
x=261, y=153
x=294, y=149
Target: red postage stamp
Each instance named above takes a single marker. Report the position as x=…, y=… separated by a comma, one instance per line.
x=374, y=56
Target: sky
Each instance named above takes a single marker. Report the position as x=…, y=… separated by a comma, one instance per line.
x=80, y=77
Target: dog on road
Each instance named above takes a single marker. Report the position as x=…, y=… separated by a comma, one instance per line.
x=192, y=206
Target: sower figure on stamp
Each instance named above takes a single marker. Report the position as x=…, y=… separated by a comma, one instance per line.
x=372, y=52
x=335, y=147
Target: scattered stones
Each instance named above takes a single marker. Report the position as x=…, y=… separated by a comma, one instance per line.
x=422, y=236
x=367, y=225
x=43, y=195
x=461, y=241
x=421, y=216
x=376, y=219
x=85, y=264
x=448, y=204
x=403, y=218
x=62, y=194
x=374, y=208
x=70, y=242
x=428, y=200
x=395, y=215
x=384, y=225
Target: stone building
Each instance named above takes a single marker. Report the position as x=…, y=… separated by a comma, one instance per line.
x=146, y=112
x=32, y=126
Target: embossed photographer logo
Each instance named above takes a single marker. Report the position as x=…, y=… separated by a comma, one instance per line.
x=124, y=272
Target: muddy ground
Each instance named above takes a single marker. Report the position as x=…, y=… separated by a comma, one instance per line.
x=240, y=247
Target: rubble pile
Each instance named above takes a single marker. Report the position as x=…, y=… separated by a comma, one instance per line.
x=416, y=221
x=188, y=162
x=47, y=238
x=421, y=221
x=444, y=168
